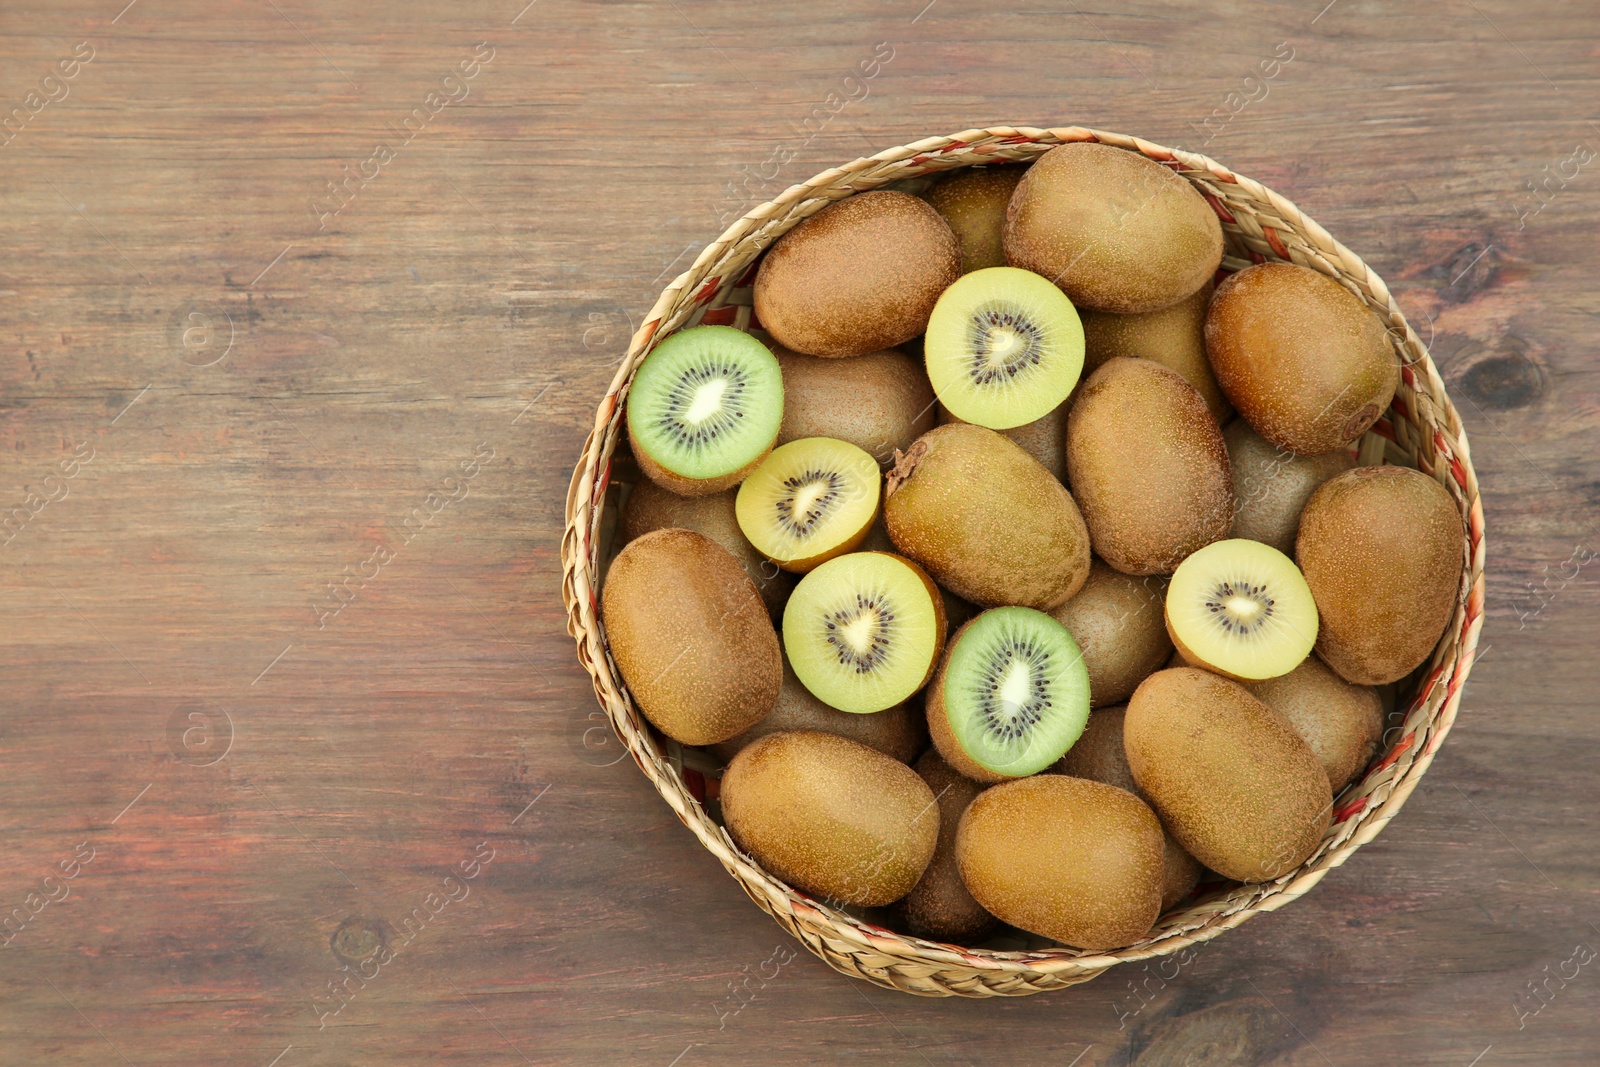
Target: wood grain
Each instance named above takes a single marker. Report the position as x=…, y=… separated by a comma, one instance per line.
x=271, y=789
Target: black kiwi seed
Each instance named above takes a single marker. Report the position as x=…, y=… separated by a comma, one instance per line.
x=682, y=396
x=991, y=708
x=985, y=321
x=801, y=525
x=877, y=607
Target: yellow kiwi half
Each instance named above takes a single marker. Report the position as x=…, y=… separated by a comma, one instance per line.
x=1065, y=858
x=986, y=519
x=1174, y=337
x=879, y=402
x=1301, y=357
x=1117, y=621
x=859, y=276
x=1115, y=230
x=1243, y=609
x=1235, y=784
x=1148, y=466
x=831, y=816
x=1382, y=550
x=1341, y=722
x=939, y=907
x=691, y=636
x=973, y=201
x=809, y=501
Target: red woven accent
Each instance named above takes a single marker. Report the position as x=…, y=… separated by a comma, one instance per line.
x=1275, y=241
x=696, y=783
x=707, y=291
x=1400, y=746
x=1222, y=211
x=723, y=316
x=1257, y=257
x=1356, y=806
x=1384, y=428
x=650, y=329
x=1399, y=404
x=748, y=278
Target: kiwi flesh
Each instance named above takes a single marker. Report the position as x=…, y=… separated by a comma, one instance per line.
x=939, y=907
x=900, y=732
x=1115, y=230
x=1382, y=550
x=879, y=402
x=831, y=816
x=703, y=408
x=1242, y=609
x=1117, y=621
x=1099, y=756
x=986, y=519
x=1045, y=438
x=650, y=507
x=1004, y=347
x=859, y=276
x=863, y=631
x=691, y=636
x=973, y=201
x=1271, y=485
x=1148, y=466
x=809, y=501
x=1010, y=696
x=1306, y=363
x=1235, y=784
x=1341, y=722
x=1174, y=337
x=1065, y=858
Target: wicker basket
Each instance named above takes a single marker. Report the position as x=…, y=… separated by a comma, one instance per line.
x=1421, y=429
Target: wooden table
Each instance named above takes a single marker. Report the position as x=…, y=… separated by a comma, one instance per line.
x=304, y=311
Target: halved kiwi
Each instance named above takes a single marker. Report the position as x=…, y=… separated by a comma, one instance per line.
x=1003, y=347
x=863, y=630
x=1242, y=609
x=809, y=501
x=704, y=407
x=1010, y=697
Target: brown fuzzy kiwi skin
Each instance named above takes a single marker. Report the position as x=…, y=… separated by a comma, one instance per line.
x=900, y=732
x=831, y=816
x=1148, y=466
x=879, y=402
x=939, y=729
x=650, y=507
x=1174, y=337
x=677, y=483
x=1381, y=549
x=1300, y=357
x=691, y=636
x=1117, y=620
x=1235, y=784
x=986, y=519
x=859, y=276
x=1271, y=485
x=1065, y=858
x=973, y=201
x=939, y=907
x=1116, y=231
x=1045, y=438
x=1098, y=755
x=1341, y=722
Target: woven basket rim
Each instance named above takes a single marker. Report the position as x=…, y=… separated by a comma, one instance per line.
x=1270, y=227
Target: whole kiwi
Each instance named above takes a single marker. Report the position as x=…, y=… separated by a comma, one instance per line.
x=1098, y=756
x=1341, y=722
x=973, y=201
x=1115, y=230
x=1148, y=466
x=1240, y=790
x=831, y=816
x=860, y=275
x=939, y=907
x=1045, y=438
x=900, y=732
x=650, y=507
x=879, y=402
x=1382, y=550
x=1271, y=485
x=1065, y=858
x=1174, y=337
x=1300, y=356
x=691, y=636
x=1117, y=621
x=986, y=519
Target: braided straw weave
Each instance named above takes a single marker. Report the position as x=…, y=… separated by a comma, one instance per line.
x=1421, y=430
